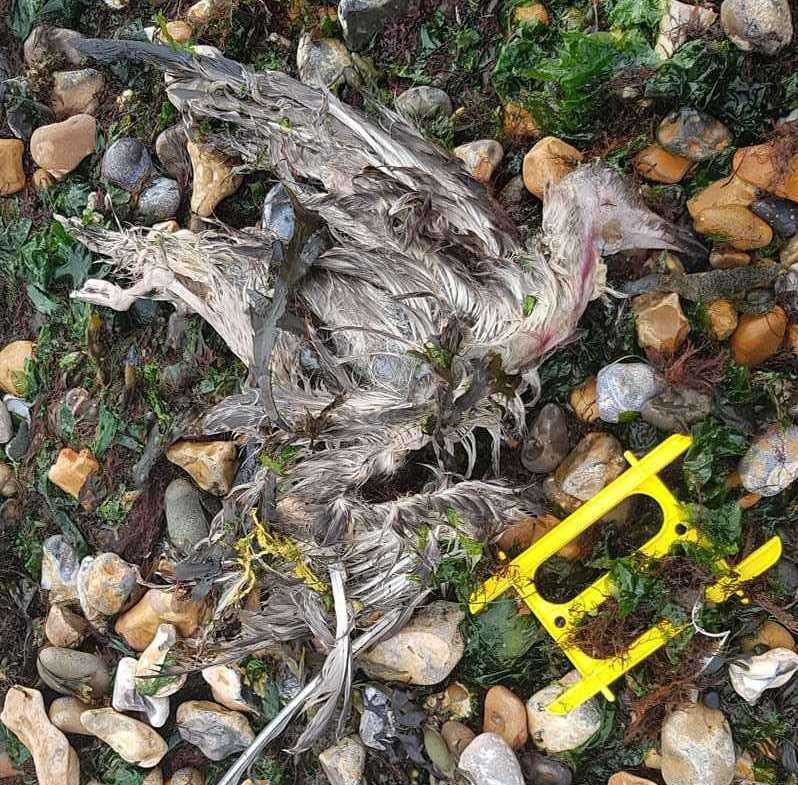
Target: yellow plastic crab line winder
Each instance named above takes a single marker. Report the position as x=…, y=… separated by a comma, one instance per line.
x=559, y=619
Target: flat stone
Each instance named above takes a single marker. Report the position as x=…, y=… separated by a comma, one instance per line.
x=76, y=92
x=548, y=162
x=519, y=123
x=676, y=411
x=60, y=147
x=771, y=635
x=71, y=672
x=361, y=20
x=724, y=257
x=126, y=164
x=480, y=158
x=72, y=469
x=206, y=11
x=8, y=485
x=457, y=737
x=583, y=400
x=540, y=770
x=424, y=651
x=212, y=465
x=12, y=174
x=697, y=747
x=561, y=732
x=159, y=200
x=505, y=715
x=759, y=25
x=624, y=778
x=150, y=680
x=694, y=135
x=217, y=731
x=489, y=760
x=423, y=103
x=186, y=776
x=13, y=358
x=546, y=444
x=519, y=536
x=55, y=760
x=531, y=13
x=132, y=740
x=214, y=178
x=344, y=762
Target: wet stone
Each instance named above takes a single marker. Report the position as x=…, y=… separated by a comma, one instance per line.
x=693, y=134
x=781, y=214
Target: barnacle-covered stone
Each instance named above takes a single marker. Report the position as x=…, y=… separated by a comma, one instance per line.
x=771, y=463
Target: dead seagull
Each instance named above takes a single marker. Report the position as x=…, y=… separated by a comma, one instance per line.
x=405, y=313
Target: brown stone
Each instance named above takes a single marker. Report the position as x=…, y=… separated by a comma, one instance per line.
x=139, y=625
x=725, y=192
x=624, y=778
x=548, y=162
x=722, y=317
x=519, y=124
x=180, y=31
x=24, y=715
x=131, y=739
x=72, y=469
x=480, y=158
x=65, y=714
x=749, y=500
x=64, y=628
x=735, y=225
x=658, y=165
x=519, y=536
x=187, y=776
x=12, y=175
x=723, y=257
x=771, y=635
x=584, y=401
x=60, y=147
x=762, y=166
x=7, y=769
x=457, y=737
x=661, y=323
x=758, y=336
x=792, y=337
x=531, y=12
x=212, y=465
x=42, y=180
x=8, y=483
x=12, y=366
x=214, y=178
x=505, y=714
x=76, y=92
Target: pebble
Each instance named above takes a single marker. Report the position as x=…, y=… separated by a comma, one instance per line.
x=105, y=584
x=531, y=13
x=505, y=715
x=624, y=778
x=126, y=698
x=438, y=752
x=323, y=64
x=546, y=443
x=361, y=20
x=72, y=469
x=658, y=165
x=180, y=31
x=423, y=103
x=723, y=257
x=456, y=702
x=170, y=147
x=212, y=465
x=675, y=411
x=540, y=770
x=8, y=484
x=751, y=676
x=6, y=426
x=771, y=635
x=692, y=134
x=771, y=463
x=64, y=628
x=457, y=737
x=624, y=387
x=185, y=518
x=46, y=45
x=761, y=166
x=735, y=225
x=758, y=336
x=55, y=760
x=489, y=760
x=65, y=714
x=126, y=164
x=677, y=24
x=153, y=661
x=781, y=214
x=583, y=400
x=13, y=358
x=60, y=147
x=71, y=672
x=480, y=158
x=226, y=686
x=132, y=740
x=548, y=162
x=560, y=733
x=206, y=11
x=42, y=180
x=344, y=762
x=159, y=201
x=214, y=179
x=17, y=448
x=138, y=625
x=59, y=569
x=731, y=191
x=377, y=723
x=697, y=747
x=594, y=463
x=661, y=323
x=76, y=92
x=519, y=124
x=757, y=25
x=519, y=536
x=218, y=732
x=424, y=651
x=12, y=174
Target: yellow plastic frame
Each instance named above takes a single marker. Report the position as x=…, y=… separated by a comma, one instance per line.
x=559, y=619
